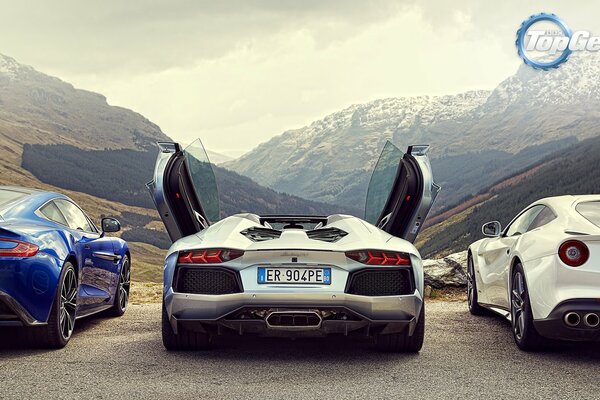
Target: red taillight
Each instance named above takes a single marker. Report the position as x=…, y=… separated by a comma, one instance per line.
x=16, y=248
x=573, y=253
x=208, y=256
x=379, y=257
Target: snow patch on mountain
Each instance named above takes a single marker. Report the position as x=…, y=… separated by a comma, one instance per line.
x=331, y=159
x=11, y=69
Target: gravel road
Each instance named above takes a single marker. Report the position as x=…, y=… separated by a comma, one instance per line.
x=464, y=357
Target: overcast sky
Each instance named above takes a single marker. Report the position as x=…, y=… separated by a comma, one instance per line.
x=237, y=73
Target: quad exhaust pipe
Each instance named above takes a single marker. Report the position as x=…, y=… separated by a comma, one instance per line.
x=590, y=320
x=572, y=319
x=291, y=320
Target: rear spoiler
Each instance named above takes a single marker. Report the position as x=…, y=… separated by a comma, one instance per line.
x=582, y=235
x=5, y=233
x=307, y=219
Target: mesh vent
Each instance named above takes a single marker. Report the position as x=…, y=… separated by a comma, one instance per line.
x=202, y=280
x=261, y=234
x=330, y=235
x=381, y=283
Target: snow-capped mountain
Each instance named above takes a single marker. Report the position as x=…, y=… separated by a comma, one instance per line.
x=330, y=159
x=325, y=158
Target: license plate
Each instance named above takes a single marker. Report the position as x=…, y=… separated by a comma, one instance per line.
x=321, y=276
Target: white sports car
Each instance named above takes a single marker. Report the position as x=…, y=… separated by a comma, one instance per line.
x=293, y=275
x=542, y=272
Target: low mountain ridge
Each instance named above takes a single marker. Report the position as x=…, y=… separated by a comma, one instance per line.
x=43, y=110
x=58, y=165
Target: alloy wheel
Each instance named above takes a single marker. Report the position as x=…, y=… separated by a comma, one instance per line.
x=518, y=305
x=68, y=304
x=470, y=285
x=124, y=284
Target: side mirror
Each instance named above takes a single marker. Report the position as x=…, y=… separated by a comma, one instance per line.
x=110, y=225
x=492, y=229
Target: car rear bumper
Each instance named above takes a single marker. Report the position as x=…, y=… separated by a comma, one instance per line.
x=338, y=312
x=28, y=287
x=555, y=327
x=12, y=313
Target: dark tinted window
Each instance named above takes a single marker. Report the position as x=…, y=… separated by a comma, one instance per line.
x=7, y=196
x=545, y=216
x=522, y=223
x=203, y=179
x=590, y=211
x=382, y=181
x=51, y=211
x=76, y=219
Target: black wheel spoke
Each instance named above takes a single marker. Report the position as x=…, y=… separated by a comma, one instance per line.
x=470, y=277
x=68, y=304
x=124, y=284
x=518, y=305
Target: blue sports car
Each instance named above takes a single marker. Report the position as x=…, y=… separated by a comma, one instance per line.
x=56, y=266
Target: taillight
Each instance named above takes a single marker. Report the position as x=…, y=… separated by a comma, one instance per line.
x=573, y=253
x=208, y=256
x=379, y=257
x=16, y=248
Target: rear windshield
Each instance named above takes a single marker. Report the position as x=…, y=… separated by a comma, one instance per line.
x=591, y=211
x=8, y=196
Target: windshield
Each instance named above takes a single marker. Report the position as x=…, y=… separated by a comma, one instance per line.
x=590, y=210
x=203, y=179
x=382, y=181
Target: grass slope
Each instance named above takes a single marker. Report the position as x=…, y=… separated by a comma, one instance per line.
x=573, y=170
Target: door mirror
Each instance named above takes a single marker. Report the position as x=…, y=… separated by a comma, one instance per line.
x=492, y=229
x=110, y=225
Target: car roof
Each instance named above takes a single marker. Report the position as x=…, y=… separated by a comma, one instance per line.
x=21, y=189
x=569, y=200
x=35, y=197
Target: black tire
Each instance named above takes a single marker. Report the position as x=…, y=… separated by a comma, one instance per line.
x=403, y=342
x=56, y=333
x=122, y=292
x=526, y=336
x=184, y=339
x=472, y=298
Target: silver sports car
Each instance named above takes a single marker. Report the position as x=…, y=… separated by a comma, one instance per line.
x=293, y=275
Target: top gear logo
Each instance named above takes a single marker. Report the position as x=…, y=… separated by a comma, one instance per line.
x=545, y=41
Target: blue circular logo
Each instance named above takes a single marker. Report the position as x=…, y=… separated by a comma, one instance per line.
x=544, y=42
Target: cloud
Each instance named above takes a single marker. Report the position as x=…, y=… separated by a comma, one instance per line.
x=120, y=37
x=239, y=72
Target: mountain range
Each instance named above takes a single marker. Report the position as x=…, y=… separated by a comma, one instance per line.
x=331, y=159
x=535, y=134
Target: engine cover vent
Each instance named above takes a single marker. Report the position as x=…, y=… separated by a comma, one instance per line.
x=257, y=234
x=330, y=235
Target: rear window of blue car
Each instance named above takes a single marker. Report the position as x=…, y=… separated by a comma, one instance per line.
x=8, y=196
x=590, y=211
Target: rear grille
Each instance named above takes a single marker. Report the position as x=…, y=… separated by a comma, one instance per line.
x=207, y=280
x=388, y=282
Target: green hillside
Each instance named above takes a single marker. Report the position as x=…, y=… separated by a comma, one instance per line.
x=462, y=176
x=573, y=170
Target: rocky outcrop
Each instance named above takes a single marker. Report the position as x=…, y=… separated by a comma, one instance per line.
x=447, y=271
